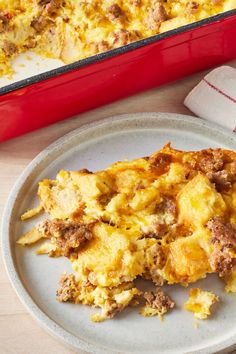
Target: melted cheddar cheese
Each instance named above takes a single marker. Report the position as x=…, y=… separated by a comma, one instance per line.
x=72, y=30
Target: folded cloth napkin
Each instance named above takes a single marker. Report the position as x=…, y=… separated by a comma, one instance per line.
x=214, y=98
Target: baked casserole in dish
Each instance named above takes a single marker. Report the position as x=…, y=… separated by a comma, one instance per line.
x=73, y=30
x=101, y=78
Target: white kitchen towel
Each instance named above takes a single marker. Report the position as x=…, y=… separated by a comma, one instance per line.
x=214, y=98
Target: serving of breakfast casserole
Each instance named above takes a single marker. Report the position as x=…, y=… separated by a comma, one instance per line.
x=72, y=30
x=168, y=218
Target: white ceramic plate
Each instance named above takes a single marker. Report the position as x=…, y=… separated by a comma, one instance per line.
x=35, y=278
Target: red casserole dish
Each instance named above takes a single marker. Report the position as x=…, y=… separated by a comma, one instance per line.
x=57, y=94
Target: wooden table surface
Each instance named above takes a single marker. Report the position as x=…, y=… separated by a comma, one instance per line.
x=19, y=333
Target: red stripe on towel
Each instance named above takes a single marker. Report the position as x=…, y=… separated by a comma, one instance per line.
x=219, y=91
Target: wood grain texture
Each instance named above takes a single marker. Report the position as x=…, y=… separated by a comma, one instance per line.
x=19, y=333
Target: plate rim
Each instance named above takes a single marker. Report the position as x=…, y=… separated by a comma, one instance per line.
x=8, y=257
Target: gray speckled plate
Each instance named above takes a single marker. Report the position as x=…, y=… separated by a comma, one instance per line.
x=35, y=278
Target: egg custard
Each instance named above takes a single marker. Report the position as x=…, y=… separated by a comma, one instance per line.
x=169, y=218
x=200, y=303
x=72, y=30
